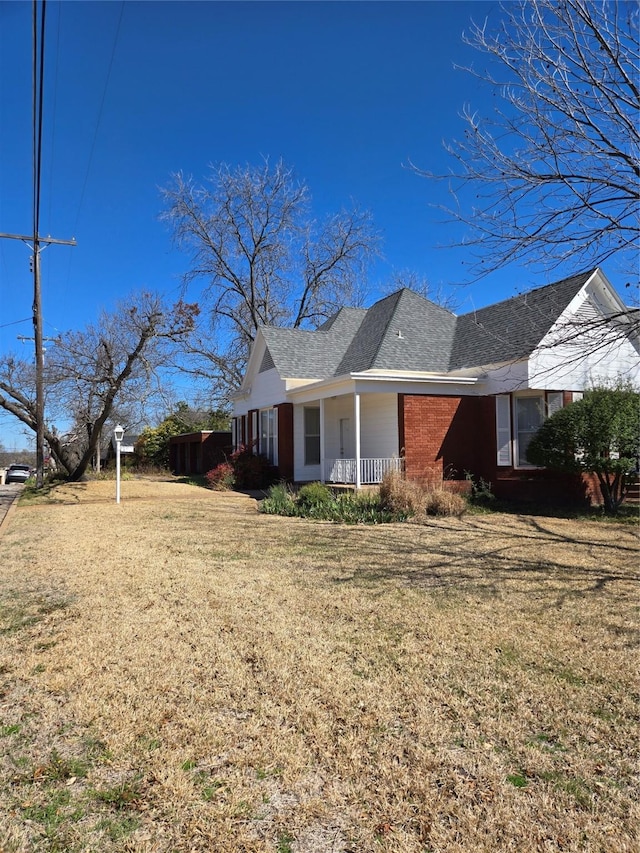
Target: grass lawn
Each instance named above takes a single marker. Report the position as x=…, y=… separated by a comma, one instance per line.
x=181, y=673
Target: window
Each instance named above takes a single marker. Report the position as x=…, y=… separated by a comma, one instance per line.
x=529, y=415
x=503, y=429
x=554, y=402
x=518, y=422
x=268, y=435
x=312, y=436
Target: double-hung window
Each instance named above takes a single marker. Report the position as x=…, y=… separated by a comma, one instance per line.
x=529, y=416
x=518, y=418
x=312, y=436
x=269, y=435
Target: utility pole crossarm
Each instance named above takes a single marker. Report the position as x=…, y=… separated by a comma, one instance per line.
x=30, y=237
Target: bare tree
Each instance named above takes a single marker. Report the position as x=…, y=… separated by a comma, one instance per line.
x=262, y=258
x=89, y=373
x=554, y=170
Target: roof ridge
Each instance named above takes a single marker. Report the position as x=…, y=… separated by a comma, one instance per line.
x=534, y=290
x=398, y=296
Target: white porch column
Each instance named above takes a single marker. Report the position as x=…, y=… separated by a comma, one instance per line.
x=356, y=426
x=322, y=471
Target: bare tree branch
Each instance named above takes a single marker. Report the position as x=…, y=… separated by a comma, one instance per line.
x=87, y=373
x=554, y=170
x=262, y=259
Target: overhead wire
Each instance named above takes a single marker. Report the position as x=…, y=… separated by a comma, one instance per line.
x=95, y=134
x=38, y=100
x=54, y=108
x=100, y=111
x=52, y=123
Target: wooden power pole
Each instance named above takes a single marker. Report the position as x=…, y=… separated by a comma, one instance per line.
x=35, y=244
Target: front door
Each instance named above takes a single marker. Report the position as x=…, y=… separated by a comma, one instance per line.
x=345, y=437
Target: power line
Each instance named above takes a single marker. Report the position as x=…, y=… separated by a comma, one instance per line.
x=35, y=239
x=38, y=99
x=97, y=128
x=15, y=323
x=100, y=111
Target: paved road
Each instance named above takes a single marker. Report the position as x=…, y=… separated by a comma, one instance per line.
x=8, y=493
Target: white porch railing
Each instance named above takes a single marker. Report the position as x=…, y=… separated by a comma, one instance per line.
x=371, y=470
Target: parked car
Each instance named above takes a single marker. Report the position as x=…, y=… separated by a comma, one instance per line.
x=17, y=473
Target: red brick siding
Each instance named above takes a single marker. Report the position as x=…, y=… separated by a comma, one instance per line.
x=452, y=435
x=441, y=436
x=198, y=452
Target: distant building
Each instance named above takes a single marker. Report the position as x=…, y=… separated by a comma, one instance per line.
x=198, y=452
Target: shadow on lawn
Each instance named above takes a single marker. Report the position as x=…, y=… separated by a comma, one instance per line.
x=474, y=559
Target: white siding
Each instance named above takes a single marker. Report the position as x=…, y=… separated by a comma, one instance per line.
x=591, y=353
x=267, y=389
x=337, y=409
x=505, y=378
x=379, y=425
x=301, y=472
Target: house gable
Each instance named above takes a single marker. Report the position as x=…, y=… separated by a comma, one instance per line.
x=588, y=344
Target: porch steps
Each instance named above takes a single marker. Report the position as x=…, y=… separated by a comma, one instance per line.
x=633, y=495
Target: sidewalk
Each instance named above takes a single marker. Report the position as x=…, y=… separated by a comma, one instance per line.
x=9, y=495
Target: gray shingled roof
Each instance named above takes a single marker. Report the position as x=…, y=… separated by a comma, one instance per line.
x=405, y=331
x=512, y=329
x=313, y=354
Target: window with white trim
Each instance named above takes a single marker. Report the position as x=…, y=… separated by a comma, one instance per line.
x=312, y=435
x=518, y=418
x=503, y=429
x=254, y=432
x=269, y=434
x=529, y=415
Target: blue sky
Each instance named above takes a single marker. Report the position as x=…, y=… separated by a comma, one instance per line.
x=345, y=93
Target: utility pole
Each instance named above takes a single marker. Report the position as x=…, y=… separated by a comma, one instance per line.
x=39, y=347
x=36, y=241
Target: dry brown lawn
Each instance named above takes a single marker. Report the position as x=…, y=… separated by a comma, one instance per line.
x=182, y=673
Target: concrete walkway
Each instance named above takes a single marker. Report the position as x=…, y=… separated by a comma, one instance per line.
x=9, y=494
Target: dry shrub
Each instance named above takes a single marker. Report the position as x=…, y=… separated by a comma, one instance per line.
x=441, y=502
x=399, y=495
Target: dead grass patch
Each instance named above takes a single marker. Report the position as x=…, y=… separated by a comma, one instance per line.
x=214, y=679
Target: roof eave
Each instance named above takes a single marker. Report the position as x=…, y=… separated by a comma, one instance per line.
x=348, y=381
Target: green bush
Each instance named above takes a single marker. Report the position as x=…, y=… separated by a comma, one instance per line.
x=364, y=508
x=481, y=492
x=280, y=501
x=315, y=500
